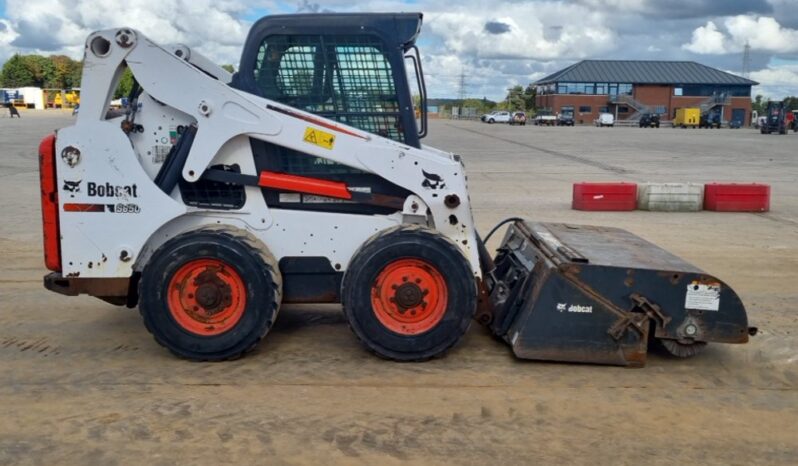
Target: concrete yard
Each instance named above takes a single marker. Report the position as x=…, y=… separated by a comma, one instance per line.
x=84, y=383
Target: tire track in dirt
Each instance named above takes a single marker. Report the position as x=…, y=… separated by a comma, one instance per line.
x=570, y=157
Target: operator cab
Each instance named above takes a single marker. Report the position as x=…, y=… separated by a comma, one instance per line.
x=346, y=67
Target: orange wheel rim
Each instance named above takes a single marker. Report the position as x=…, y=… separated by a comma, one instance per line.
x=409, y=296
x=207, y=297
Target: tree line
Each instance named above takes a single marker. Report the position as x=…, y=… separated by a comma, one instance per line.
x=54, y=72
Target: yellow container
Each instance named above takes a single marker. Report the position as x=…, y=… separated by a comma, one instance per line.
x=687, y=117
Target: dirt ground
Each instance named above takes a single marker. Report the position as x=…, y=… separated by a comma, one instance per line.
x=84, y=383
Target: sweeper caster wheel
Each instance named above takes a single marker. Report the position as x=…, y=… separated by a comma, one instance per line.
x=409, y=294
x=210, y=294
x=682, y=350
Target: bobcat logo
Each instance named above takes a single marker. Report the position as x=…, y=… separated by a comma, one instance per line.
x=72, y=186
x=432, y=181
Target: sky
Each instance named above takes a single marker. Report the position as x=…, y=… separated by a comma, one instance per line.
x=494, y=44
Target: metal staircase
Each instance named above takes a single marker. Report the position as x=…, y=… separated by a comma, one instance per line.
x=629, y=101
x=714, y=101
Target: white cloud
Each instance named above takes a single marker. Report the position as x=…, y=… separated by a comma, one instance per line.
x=707, y=39
x=53, y=26
x=776, y=82
x=763, y=33
x=540, y=31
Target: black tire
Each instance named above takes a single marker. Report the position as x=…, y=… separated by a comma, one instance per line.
x=414, y=243
x=491, y=121
x=258, y=273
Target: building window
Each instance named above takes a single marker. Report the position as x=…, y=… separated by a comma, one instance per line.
x=707, y=90
x=569, y=88
x=604, y=110
x=625, y=88
x=585, y=109
x=623, y=109
x=659, y=110
x=567, y=110
x=601, y=88
x=677, y=91
x=589, y=88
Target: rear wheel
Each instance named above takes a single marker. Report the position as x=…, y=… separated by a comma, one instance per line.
x=491, y=121
x=409, y=294
x=211, y=294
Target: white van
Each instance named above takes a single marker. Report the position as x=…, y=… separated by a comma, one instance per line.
x=605, y=119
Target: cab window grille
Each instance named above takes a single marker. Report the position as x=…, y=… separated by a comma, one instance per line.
x=344, y=78
x=214, y=194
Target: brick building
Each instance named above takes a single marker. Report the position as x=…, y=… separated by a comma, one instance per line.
x=628, y=88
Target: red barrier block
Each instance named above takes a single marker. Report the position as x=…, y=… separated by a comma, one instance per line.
x=604, y=196
x=733, y=197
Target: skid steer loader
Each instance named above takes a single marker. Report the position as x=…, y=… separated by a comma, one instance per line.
x=214, y=198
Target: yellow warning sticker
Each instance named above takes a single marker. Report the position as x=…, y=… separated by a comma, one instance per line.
x=319, y=137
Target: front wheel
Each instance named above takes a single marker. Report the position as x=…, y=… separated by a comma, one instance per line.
x=409, y=294
x=491, y=121
x=210, y=294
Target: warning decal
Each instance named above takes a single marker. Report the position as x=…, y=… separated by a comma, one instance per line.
x=319, y=137
x=702, y=296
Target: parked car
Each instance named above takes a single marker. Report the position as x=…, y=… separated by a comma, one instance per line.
x=519, y=118
x=605, y=119
x=565, y=119
x=544, y=118
x=649, y=120
x=499, y=116
x=709, y=120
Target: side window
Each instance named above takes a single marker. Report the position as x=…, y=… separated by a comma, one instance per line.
x=291, y=70
x=365, y=91
x=344, y=78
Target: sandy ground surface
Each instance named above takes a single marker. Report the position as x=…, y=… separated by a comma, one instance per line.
x=83, y=383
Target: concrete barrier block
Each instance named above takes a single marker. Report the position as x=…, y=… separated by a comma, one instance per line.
x=670, y=197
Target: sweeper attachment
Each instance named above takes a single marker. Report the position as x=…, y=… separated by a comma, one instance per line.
x=564, y=292
x=212, y=199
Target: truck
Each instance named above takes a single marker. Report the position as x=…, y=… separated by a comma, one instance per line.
x=545, y=118
x=776, y=119
x=687, y=117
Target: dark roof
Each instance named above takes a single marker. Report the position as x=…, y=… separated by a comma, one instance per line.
x=643, y=72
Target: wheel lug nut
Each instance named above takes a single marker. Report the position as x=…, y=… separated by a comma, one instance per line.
x=190, y=296
x=418, y=280
x=393, y=287
x=404, y=279
x=413, y=312
x=425, y=292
